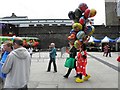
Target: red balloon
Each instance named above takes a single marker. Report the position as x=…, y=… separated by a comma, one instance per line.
x=83, y=7
x=82, y=21
x=87, y=13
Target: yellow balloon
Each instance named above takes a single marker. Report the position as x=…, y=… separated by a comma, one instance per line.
x=77, y=26
x=77, y=44
x=93, y=12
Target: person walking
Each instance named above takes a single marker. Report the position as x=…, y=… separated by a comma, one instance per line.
x=81, y=65
x=52, y=55
x=30, y=50
x=105, y=50
x=108, y=51
x=17, y=66
x=72, y=53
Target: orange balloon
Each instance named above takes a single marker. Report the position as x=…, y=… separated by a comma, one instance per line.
x=69, y=37
x=72, y=36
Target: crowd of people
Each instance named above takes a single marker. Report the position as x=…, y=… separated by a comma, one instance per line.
x=79, y=57
x=16, y=61
x=15, y=65
x=79, y=63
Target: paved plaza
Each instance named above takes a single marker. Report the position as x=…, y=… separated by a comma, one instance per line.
x=103, y=71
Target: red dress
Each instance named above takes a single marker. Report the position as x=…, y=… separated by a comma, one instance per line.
x=81, y=63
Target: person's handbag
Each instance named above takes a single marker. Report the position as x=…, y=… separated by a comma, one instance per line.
x=69, y=63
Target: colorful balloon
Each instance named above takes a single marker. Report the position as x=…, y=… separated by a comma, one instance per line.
x=82, y=7
x=87, y=13
x=93, y=30
x=72, y=31
x=71, y=15
x=82, y=20
x=69, y=37
x=78, y=13
x=77, y=26
x=77, y=44
x=93, y=12
x=89, y=30
x=73, y=36
x=82, y=27
x=80, y=35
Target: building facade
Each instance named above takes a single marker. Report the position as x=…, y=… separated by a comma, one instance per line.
x=112, y=8
x=57, y=30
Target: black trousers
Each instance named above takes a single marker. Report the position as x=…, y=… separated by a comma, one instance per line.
x=70, y=69
x=109, y=54
x=54, y=64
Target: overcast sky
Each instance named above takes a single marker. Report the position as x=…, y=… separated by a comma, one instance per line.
x=50, y=9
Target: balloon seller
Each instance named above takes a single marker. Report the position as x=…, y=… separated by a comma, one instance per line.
x=82, y=29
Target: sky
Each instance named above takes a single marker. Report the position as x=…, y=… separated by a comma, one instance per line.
x=50, y=9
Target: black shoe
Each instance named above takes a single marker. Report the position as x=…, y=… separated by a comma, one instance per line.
x=65, y=76
x=54, y=71
x=48, y=71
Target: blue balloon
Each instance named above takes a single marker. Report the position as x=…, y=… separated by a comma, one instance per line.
x=89, y=30
x=80, y=35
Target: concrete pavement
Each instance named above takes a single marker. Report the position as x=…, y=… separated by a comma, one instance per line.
x=102, y=75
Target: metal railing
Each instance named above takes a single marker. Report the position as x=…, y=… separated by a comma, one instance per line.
x=44, y=55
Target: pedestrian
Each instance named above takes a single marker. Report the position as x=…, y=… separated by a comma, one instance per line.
x=30, y=50
x=105, y=50
x=7, y=49
x=72, y=53
x=52, y=55
x=81, y=65
x=108, y=51
x=17, y=66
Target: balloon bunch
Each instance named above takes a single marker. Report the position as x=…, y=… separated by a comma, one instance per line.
x=82, y=27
